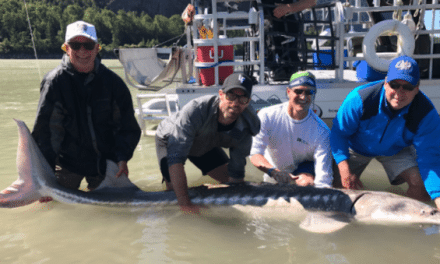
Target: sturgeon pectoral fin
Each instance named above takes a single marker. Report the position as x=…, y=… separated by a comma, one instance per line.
x=320, y=222
x=110, y=180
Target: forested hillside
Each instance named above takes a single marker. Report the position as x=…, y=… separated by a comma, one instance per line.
x=49, y=18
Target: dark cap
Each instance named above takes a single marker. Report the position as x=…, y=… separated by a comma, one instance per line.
x=240, y=81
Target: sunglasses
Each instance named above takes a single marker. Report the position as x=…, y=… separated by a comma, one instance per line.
x=306, y=91
x=86, y=45
x=407, y=87
x=242, y=99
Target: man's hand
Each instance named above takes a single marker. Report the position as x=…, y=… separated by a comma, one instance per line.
x=123, y=169
x=351, y=181
x=305, y=179
x=437, y=202
x=180, y=187
x=190, y=209
x=348, y=179
x=186, y=207
x=283, y=176
x=281, y=10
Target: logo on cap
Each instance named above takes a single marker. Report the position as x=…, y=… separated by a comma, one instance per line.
x=403, y=65
x=82, y=27
x=241, y=78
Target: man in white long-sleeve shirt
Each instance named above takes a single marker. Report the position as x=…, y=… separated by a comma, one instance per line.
x=293, y=144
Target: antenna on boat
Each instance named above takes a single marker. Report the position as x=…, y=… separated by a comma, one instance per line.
x=32, y=38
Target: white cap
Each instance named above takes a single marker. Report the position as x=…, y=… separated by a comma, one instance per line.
x=81, y=28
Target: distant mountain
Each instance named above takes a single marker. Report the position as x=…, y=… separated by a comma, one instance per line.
x=151, y=7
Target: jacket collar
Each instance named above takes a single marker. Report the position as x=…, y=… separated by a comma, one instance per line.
x=67, y=65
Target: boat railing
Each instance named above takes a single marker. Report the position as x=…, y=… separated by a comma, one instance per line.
x=352, y=16
x=220, y=37
x=154, y=106
x=345, y=24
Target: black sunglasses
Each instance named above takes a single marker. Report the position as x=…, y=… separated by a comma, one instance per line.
x=406, y=87
x=242, y=99
x=86, y=45
x=306, y=91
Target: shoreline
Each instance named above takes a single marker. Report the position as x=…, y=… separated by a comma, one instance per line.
x=25, y=56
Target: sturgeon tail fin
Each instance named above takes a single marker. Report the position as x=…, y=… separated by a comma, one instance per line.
x=25, y=190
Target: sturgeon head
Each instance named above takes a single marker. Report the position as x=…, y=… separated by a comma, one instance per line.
x=389, y=208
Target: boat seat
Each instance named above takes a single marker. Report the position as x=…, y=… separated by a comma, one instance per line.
x=151, y=72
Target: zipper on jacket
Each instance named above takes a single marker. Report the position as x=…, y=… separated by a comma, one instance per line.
x=385, y=130
x=386, y=127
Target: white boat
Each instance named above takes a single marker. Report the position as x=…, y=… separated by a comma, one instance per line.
x=180, y=78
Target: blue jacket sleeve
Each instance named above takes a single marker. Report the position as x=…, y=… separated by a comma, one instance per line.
x=345, y=124
x=427, y=144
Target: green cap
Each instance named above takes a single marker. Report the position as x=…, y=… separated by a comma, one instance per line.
x=302, y=78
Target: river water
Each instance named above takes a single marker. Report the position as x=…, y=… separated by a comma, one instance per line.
x=61, y=233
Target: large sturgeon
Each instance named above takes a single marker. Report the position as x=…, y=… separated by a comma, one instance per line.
x=36, y=179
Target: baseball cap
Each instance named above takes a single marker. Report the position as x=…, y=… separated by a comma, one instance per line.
x=81, y=28
x=404, y=68
x=302, y=78
x=240, y=81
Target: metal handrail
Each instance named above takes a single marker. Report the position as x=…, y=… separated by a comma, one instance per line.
x=216, y=41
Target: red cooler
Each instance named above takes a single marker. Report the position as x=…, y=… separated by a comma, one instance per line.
x=206, y=54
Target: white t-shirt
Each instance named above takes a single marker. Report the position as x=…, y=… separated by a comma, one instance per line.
x=286, y=142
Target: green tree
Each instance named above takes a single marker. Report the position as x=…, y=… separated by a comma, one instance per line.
x=49, y=19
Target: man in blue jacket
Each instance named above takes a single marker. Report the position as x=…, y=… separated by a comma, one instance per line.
x=394, y=122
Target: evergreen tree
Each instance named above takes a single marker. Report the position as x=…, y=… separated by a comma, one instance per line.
x=49, y=18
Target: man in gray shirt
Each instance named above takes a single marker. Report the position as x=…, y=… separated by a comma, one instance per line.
x=201, y=129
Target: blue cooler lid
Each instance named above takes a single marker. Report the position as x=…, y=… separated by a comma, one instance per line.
x=366, y=73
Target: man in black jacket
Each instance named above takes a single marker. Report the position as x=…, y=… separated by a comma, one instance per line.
x=85, y=116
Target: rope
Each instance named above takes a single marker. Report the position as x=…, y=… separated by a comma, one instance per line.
x=32, y=38
x=174, y=44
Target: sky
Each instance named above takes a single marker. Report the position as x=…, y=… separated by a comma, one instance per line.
x=428, y=20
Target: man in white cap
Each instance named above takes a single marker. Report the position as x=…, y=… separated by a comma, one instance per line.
x=293, y=145
x=395, y=123
x=200, y=130
x=85, y=116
